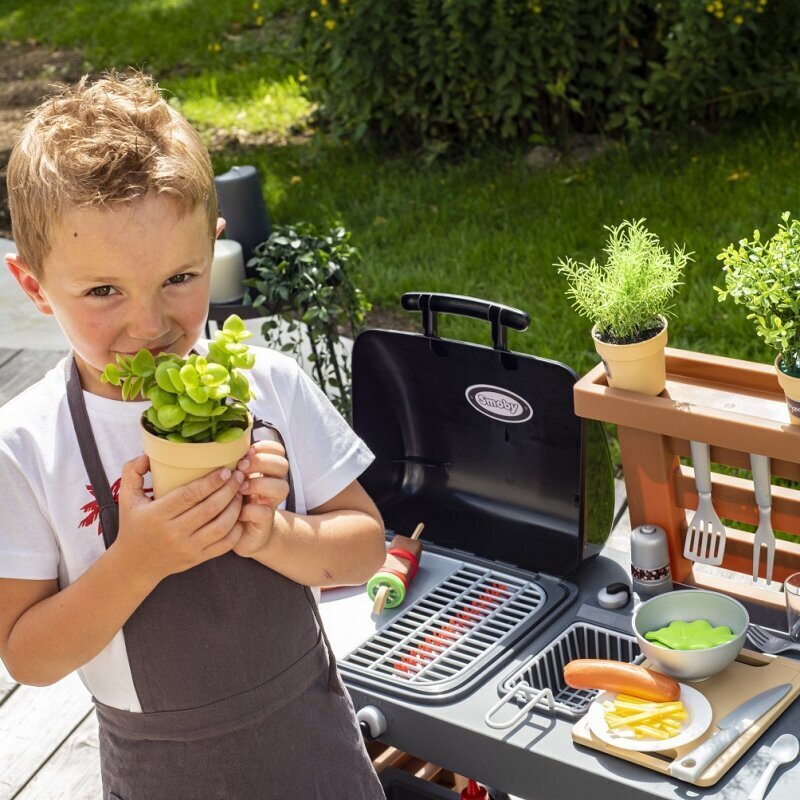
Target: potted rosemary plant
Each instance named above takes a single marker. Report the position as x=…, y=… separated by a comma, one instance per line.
x=197, y=400
x=628, y=301
x=765, y=278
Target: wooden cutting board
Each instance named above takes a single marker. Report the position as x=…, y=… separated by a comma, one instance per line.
x=749, y=675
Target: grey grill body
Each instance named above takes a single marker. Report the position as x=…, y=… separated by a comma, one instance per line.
x=459, y=622
x=450, y=632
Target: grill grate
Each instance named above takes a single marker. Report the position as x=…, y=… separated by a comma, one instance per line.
x=545, y=671
x=449, y=631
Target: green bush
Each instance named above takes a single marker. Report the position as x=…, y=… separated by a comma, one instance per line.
x=434, y=72
x=305, y=276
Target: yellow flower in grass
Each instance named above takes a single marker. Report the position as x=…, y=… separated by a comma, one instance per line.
x=256, y=5
x=259, y=21
x=330, y=24
x=313, y=13
x=738, y=19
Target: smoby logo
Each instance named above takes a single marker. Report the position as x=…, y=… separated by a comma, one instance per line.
x=498, y=403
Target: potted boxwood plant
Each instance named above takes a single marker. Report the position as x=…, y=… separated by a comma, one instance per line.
x=765, y=278
x=197, y=420
x=305, y=276
x=628, y=301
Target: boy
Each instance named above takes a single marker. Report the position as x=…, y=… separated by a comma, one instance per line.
x=188, y=617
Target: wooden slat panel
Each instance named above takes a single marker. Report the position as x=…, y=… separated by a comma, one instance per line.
x=734, y=499
x=7, y=683
x=24, y=369
x=34, y=722
x=73, y=772
x=735, y=458
x=748, y=592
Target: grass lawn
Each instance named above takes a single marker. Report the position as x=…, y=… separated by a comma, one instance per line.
x=487, y=226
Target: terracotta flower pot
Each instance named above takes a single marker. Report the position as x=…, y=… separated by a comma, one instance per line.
x=791, y=388
x=174, y=464
x=638, y=367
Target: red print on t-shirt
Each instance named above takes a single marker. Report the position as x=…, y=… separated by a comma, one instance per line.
x=92, y=508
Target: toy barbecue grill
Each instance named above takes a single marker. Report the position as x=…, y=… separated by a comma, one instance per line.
x=482, y=445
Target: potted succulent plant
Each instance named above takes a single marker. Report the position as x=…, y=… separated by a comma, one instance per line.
x=198, y=401
x=628, y=301
x=765, y=278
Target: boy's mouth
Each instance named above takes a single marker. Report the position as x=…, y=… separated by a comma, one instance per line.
x=154, y=350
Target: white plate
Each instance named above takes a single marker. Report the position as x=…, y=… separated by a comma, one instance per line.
x=698, y=708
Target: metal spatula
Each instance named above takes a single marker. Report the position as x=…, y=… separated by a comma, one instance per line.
x=764, y=534
x=705, y=537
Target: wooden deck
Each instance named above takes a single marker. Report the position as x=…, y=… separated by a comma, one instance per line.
x=48, y=736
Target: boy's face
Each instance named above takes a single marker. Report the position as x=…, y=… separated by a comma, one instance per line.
x=118, y=280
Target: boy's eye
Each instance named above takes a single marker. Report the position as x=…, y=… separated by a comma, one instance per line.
x=183, y=277
x=101, y=291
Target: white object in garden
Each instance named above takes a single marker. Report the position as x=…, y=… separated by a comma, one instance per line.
x=227, y=271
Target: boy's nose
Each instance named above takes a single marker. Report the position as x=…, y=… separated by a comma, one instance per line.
x=147, y=324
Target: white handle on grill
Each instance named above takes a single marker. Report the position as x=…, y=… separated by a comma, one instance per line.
x=540, y=694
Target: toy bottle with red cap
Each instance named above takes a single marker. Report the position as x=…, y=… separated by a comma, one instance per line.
x=388, y=586
x=474, y=791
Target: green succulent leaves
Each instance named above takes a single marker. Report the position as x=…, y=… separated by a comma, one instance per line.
x=193, y=399
x=764, y=277
x=696, y=635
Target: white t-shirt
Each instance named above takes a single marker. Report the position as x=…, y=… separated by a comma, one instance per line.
x=49, y=524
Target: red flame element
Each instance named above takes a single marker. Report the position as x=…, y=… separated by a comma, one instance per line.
x=451, y=631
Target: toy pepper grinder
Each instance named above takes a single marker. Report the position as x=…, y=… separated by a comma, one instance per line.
x=388, y=586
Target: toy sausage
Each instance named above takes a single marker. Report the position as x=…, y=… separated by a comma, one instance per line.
x=615, y=676
x=388, y=586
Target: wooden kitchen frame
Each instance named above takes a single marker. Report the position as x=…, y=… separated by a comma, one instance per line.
x=738, y=408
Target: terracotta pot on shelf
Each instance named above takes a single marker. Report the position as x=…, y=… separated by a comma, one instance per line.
x=174, y=464
x=791, y=388
x=638, y=367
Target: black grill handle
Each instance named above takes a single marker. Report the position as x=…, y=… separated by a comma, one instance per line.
x=501, y=317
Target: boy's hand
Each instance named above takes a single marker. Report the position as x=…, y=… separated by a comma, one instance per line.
x=264, y=490
x=182, y=529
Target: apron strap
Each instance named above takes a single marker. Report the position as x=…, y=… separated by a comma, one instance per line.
x=109, y=510
x=334, y=684
x=262, y=423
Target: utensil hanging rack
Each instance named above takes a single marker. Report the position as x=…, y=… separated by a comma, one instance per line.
x=737, y=407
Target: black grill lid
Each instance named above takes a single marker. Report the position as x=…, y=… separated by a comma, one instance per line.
x=479, y=443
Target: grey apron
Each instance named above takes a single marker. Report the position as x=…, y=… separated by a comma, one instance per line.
x=240, y=695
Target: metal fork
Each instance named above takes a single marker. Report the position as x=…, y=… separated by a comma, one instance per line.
x=767, y=642
x=705, y=536
x=764, y=535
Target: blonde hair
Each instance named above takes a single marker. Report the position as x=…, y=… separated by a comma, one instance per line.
x=101, y=144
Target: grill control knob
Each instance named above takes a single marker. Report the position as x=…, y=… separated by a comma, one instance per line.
x=371, y=721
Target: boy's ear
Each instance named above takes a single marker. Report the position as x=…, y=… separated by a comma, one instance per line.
x=30, y=285
x=220, y=226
